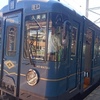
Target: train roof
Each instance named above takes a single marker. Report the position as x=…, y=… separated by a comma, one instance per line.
x=91, y=23
x=45, y=5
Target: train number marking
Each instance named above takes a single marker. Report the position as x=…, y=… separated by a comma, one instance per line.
x=35, y=6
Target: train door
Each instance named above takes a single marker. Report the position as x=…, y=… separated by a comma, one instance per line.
x=11, y=53
x=88, y=56
x=74, y=69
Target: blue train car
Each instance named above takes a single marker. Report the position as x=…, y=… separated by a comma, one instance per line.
x=91, y=53
x=49, y=51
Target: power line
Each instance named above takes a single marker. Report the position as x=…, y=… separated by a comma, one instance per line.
x=93, y=10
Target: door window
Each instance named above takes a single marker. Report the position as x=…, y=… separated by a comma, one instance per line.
x=73, y=43
x=88, y=48
x=11, y=35
x=11, y=41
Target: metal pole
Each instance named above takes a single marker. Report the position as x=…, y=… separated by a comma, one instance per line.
x=87, y=8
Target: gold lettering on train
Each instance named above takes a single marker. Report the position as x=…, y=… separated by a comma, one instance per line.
x=43, y=67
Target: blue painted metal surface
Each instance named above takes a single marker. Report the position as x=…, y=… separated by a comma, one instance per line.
x=58, y=80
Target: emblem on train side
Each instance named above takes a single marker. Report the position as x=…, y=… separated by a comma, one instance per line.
x=35, y=6
x=9, y=64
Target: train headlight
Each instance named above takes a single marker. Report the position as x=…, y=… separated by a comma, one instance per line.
x=32, y=77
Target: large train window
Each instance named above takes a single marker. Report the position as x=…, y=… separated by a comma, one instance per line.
x=35, y=36
x=11, y=41
x=54, y=37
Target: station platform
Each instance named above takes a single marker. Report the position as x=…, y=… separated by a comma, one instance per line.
x=94, y=95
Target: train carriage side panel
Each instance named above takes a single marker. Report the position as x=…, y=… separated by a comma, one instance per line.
x=90, y=53
x=71, y=83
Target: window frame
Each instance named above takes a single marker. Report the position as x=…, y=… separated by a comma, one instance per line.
x=25, y=48
x=9, y=42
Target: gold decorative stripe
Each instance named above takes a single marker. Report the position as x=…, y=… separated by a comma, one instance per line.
x=54, y=79
x=13, y=73
x=72, y=75
x=44, y=79
x=75, y=74
x=23, y=75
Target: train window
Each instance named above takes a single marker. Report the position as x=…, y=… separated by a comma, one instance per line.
x=66, y=32
x=88, y=48
x=11, y=41
x=54, y=43
x=96, y=46
x=66, y=39
x=73, y=43
x=54, y=37
x=96, y=51
x=35, y=37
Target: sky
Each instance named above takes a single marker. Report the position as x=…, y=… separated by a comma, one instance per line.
x=79, y=5
x=3, y=3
